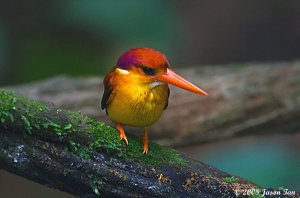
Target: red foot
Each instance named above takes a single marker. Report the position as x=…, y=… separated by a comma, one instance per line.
x=122, y=133
x=145, y=141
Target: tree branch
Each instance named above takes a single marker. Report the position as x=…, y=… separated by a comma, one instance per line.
x=243, y=99
x=71, y=152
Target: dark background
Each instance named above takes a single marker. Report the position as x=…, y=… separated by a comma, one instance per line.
x=41, y=39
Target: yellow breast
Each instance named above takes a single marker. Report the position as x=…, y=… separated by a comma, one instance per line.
x=137, y=104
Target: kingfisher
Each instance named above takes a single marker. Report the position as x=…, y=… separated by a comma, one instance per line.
x=136, y=90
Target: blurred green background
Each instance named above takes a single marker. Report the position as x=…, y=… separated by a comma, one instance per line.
x=40, y=39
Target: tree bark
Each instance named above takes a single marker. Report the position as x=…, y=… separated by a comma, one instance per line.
x=71, y=152
x=243, y=100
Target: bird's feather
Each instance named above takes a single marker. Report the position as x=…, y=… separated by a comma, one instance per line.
x=167, y=99
x=108, y=91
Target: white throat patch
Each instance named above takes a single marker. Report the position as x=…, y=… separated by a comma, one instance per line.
x=155, y=84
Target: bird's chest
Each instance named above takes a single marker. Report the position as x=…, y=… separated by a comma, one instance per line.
x=138, y=106
x=146, y=101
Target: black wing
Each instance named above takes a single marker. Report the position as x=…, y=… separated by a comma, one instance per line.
x=108, y=91
x=167, y=98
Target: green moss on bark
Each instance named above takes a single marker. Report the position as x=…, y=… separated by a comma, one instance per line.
x=78, y=133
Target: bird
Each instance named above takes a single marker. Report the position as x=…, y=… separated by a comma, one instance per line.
x=136, y=90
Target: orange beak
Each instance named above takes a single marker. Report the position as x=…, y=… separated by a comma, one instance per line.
x=172, y=78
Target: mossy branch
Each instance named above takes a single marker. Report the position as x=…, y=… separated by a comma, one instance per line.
x=71, y=152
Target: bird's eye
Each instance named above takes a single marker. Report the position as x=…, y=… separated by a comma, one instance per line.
x=149, y=71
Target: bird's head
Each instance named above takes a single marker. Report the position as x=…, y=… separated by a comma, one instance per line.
x=153, y=67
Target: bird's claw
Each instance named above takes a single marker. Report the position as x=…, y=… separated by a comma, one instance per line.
x=145, y=141
x=145, y=149
x=122, y=133
x=123, y=137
